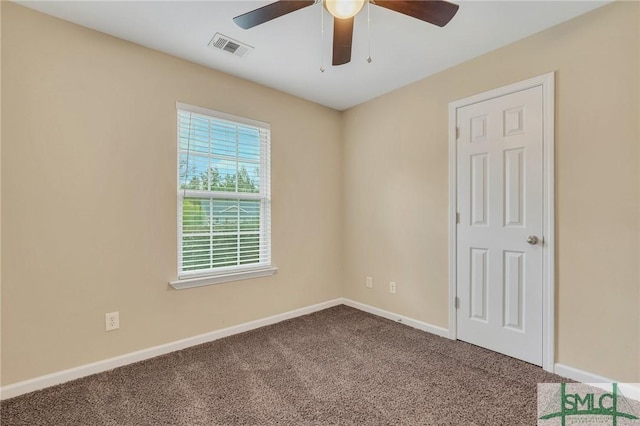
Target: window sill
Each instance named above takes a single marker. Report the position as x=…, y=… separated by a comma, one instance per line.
x=223, y=278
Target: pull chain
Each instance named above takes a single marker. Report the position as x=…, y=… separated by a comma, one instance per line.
x=321, y=37
x=369, y=29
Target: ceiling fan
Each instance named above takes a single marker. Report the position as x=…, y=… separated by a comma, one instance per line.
x=437, y=12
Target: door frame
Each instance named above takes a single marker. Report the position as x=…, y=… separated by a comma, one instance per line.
x=547, y=81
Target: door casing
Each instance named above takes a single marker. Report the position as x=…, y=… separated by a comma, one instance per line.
x=547, y=81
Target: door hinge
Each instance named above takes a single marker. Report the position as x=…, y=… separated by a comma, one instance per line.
x=457, y=217
x=457, y=132
x=457, y=303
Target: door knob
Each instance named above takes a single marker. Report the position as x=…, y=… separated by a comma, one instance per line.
x=533, y=240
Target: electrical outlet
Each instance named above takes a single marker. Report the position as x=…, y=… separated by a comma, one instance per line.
x=392, y=287
x=369, y=282
x=112, y=320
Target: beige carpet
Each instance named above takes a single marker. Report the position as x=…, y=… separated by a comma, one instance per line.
x=338, y=366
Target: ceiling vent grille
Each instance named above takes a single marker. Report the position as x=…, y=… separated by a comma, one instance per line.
x=229, y=45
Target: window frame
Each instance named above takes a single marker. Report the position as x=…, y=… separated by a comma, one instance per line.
x=198, y=278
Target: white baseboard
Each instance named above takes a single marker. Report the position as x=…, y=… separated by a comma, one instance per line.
x=629, y=390
x=579, y=375
x=433, y=329
x=59, y=377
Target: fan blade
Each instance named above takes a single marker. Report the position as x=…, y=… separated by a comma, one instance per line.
x=269, y=12
x=436, y=12
x=342, y=37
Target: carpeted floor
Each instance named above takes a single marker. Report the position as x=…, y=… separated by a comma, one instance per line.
x=337, y=366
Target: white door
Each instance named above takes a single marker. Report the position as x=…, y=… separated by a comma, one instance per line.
x=499, y=234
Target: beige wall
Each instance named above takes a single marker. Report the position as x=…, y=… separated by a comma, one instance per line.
x=89, y=191
x=396, y=186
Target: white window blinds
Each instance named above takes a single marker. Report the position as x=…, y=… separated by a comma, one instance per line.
x=223, y=193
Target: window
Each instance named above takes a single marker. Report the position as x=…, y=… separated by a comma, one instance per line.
x=224, y=202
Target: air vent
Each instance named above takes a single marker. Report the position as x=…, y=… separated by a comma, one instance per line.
x=229, y=45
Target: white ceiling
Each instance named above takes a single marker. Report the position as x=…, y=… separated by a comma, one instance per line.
x=289, y=51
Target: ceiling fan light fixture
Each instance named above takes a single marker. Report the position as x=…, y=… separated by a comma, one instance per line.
x=343, y=9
